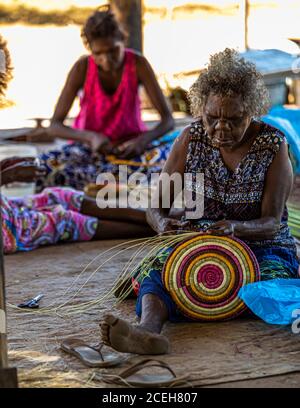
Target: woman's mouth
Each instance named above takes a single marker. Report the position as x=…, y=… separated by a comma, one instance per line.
x=222, y=142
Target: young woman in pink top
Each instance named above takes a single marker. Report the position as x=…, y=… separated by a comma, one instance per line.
x=109, y=121
x=57, y=214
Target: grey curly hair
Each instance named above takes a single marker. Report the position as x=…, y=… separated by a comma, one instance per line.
x=229, y=74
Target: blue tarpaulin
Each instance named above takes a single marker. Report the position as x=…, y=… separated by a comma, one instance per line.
x=288, y=121
x=275, y=301
x=270, y=61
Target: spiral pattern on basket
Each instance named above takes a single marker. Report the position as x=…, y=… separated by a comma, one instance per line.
x=204, y=275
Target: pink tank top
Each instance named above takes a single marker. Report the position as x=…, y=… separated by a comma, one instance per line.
x=117, y=116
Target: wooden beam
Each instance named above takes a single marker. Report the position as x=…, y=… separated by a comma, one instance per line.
x=129, y=13
x=245, y=8
x=3, y=344
x=8, y=376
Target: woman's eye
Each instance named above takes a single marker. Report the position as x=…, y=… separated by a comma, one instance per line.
x=237, y=121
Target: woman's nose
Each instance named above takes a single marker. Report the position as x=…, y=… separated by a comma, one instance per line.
x=222, y=125
x=104, y=61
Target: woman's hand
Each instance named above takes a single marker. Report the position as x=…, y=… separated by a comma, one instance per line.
x=224, y=227
x=99, y=143
x=26, y=172
x=131, y=148
x=165, y=225
x=171, y=225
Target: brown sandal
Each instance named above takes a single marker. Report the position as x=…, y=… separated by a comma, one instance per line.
x=132, y=378
x=90, y=356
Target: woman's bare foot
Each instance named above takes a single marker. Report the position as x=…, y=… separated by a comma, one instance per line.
x=127, y=338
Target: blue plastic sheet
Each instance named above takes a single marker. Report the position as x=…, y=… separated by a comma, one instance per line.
x=275, y=301
x=288, y=121
x=167, y=138
x=271, y=60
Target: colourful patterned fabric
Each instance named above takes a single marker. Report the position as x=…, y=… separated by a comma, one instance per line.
x=204, y=274
x=76, y=166
x=117, y=116
x=44, y=219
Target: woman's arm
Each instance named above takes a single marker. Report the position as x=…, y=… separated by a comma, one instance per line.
x=158, y=213
x=146, y=76
x=138, y=145
x=278, y=185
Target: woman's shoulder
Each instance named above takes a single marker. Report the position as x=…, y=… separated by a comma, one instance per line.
x=137, y=61
x=140, y=60
x=79, y=69
x=269, y=137
x=191, y=132
x=135, y=54
x=82, y=62
x=196, y=129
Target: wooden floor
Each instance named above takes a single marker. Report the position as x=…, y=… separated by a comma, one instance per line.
x=239, y=353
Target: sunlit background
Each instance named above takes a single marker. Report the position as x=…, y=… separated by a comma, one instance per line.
x=179, y=36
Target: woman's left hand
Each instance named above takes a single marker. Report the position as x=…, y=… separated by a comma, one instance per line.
x=224, y=227
x=131, y=148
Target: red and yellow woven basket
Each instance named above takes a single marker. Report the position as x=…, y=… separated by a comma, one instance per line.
x=204, y=275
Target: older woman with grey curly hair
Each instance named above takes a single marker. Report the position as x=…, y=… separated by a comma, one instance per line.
x=247, y=180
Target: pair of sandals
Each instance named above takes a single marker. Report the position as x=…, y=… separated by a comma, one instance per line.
x=131, y=376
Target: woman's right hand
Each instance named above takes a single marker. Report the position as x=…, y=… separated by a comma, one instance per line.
x=165, y=225
x=99, y=143
x=171, y=225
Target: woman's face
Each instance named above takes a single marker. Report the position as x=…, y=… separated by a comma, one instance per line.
x=108, y=53
x=225, y=120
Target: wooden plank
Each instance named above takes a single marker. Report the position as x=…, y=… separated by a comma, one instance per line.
x=8, y=378
x=3, y=339
x=129, y=13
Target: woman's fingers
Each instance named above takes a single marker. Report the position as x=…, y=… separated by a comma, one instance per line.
x=221, y=228
x=171, y=225
x=128, y=153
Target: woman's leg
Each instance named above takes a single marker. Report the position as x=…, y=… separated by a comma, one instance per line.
x=117, y=222
x=107, y=229
x=89, y=207
x=144, y=338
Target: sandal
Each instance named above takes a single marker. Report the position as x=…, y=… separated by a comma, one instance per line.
x=91, y=356
x=132, y=378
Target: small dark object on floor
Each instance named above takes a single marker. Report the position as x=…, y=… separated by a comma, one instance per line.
x=32, y=303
